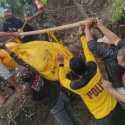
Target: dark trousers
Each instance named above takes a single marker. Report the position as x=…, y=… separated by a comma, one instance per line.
x=63, y=112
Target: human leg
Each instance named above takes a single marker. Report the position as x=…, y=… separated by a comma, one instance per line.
x=62, y=113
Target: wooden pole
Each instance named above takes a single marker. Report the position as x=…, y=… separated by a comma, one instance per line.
x=58, y=28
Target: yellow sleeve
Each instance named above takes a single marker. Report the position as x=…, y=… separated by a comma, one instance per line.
x=64, y=81
x=7, y=60
x=88, y=54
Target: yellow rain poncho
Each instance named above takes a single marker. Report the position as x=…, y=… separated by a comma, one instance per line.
x=99, y=102
x=7, y=60
x=42, y=56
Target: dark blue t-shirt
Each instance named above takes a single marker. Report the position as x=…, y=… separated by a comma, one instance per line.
x=13, y=24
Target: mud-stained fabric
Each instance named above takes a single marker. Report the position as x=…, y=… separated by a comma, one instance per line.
x=42, y=56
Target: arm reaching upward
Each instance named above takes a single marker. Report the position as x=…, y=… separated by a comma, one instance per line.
x=108, y=86
x=84, y=40
x=113, y=38
x=2, y=34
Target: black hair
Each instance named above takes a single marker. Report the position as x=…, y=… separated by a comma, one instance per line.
x=78, y=65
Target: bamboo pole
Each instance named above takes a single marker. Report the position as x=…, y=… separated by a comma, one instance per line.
x=58, y=28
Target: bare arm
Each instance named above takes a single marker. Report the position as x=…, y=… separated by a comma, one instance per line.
x=113, y=38
x=88, y=32
x=100, y=51
x=117, y=95
x=108, y=86
x=2, y=34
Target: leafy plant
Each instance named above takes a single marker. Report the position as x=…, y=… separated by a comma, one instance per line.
x=118, y=13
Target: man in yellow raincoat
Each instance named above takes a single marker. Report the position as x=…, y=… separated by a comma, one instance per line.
x=88, y=85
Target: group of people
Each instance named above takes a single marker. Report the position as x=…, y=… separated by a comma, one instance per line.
x=11, y=27
x=103, y=97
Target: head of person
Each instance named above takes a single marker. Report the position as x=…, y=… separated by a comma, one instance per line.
x=8, y=13
x=78, y=65
x=121, y=57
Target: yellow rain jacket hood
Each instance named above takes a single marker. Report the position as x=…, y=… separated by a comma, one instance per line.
x=42, y=56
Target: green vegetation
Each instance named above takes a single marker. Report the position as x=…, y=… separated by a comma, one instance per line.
x=118, y=11
x=16, y=5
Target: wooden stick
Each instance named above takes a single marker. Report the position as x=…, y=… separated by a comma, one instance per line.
x=58, y=28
